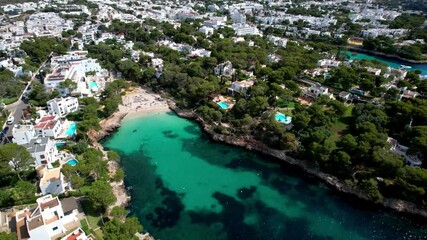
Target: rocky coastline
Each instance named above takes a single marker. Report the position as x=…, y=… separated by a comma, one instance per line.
x=381, y=54
x=404, y=207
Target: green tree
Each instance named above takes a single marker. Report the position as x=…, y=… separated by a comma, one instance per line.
x=113, y=156
x=119, y=213
x=370, y=187
x=120, y=174
x=257, y=105
x=38, y=95
x=68, y=84
x=23, y=192
x=101, y=195
x=387, y=163
x=117, y=230
x=17, y=155
x=8, y=236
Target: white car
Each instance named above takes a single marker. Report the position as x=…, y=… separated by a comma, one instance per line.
x=10, y=120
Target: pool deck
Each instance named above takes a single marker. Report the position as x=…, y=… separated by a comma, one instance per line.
x=63, y=134
x=227, y=100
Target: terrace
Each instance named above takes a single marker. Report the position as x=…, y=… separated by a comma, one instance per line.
x=224, y=102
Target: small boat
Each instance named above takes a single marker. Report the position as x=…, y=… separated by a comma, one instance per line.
x=404, y=66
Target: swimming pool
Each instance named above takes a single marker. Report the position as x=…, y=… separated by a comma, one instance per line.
x=223, y=105
x=282, y=118
x=93, y=85
x=71, y=129
x=72, y=162
x=60, y=144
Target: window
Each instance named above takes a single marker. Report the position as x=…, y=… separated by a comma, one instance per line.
x=55, y=228
x=42, y=156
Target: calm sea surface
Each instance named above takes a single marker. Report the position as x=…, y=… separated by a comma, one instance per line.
x=185, y=186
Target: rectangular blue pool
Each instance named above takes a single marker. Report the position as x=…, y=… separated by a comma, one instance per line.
x=223, y=105
x=71, y=129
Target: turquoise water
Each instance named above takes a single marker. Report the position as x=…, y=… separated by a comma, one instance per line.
x=184, y=186
x=280, y=117
x=93, y=85
x=71, y=129
x=393, y=63
x=223, y=105
x=72, y=162
x=61, y=144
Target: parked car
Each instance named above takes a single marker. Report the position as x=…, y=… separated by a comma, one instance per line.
x=10, y=120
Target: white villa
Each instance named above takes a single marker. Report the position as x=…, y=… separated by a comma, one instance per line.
x=52, y=181
x=316, y=91
x=62, y=106
x=224, y=69
x=397, y=148
x=43, y=150
x=240, y=87
x=51, y=219
x=49, y=126
x=277, y=41
x=23, y=134
x=73, y=66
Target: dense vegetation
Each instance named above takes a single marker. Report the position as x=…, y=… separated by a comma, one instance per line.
x=347, y=141
x=10, y=88
x=39, y=49
x=388, y=46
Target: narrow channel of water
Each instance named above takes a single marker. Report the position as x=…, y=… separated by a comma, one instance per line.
x=393, y=63
x=185, y=186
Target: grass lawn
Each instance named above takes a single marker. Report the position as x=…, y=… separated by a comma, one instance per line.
x=98, y=234
x=8, y=101
x=93, y=216
x=341, y=124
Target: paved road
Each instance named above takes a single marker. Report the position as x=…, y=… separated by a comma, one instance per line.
x=17, y=112
x=18, y=108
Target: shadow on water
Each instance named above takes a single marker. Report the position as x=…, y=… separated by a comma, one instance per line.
x=170, y=134
x=192, y=129
x=162, y=211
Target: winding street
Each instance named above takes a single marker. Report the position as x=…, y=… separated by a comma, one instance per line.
x=17, y=108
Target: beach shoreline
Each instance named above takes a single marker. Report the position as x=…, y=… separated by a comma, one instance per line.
x=405, y=208
x=135, y=103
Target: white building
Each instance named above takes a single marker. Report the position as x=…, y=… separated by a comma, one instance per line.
x=399, y=149
x=77, y=234
x=316, y=91
x=208, y=31
x=52, y=181
x=237, y=17
x=157, y=63
x=23, y=134
x=74, y=66
x=224, y=69
x=245, y=29
x=277, y=41
x=240, y=87
x=62, y=106
x=328, y=63
x=49, y=126
x=49, y=220
x=274, y=58
x=48, y=24
x=43, y=150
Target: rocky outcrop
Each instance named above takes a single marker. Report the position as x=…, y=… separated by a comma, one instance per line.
x=249, y=143
x=108, y=125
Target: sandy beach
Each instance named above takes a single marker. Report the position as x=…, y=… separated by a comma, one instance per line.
x=136, y=102
x=142, y=101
